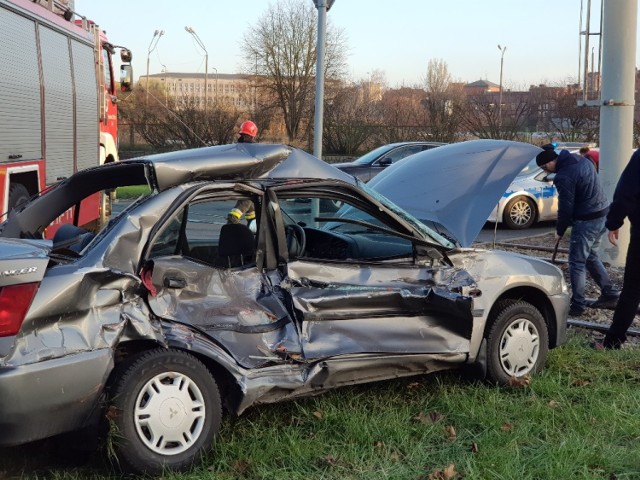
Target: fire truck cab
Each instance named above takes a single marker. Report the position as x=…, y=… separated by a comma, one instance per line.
x=58, y=110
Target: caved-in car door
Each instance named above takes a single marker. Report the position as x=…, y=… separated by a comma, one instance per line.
x=358, y=289
x=205, y=274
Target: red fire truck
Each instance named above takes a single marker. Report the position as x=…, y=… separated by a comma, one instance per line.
x=58, y=109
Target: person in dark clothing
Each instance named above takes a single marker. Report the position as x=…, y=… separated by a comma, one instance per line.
x=626, y=204
x=583, y=205
x=247, y=134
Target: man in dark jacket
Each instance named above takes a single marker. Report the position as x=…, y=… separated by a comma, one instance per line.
x=626, y=203
x=583, y=205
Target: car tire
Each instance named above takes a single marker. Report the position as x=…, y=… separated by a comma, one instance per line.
x=520, y=213
x=18, y=194
x=517, y=341
x=166, y=410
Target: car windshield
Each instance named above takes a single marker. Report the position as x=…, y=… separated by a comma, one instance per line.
x=368, y=158
x=414, y=222
x=529, y=168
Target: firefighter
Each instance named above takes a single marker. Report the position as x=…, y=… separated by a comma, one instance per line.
x=247, y=134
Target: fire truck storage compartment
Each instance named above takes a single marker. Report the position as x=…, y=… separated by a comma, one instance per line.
x=44, y=62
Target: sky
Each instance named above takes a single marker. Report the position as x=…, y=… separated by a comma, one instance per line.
x=398, y=38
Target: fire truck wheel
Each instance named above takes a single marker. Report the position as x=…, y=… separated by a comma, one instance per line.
x=18, y=194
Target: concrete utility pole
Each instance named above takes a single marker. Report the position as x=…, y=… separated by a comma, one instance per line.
x=619, y=29
x=323, y=7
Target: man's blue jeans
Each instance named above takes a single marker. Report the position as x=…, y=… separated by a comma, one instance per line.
x=583, y=258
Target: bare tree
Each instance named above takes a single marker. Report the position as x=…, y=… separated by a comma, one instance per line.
x=442, y=102
x=561, y=114
x=401, y=113
x=170, y=122
x=479, y=115
x=350, y=117
x=281, y=52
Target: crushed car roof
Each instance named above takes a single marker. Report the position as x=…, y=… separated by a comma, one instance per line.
x=163, y=171
x=239, y=160
x=456, y=185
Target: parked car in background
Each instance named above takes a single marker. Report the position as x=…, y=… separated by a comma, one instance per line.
x=531, y=197
x=370, y=164
x=169, y=314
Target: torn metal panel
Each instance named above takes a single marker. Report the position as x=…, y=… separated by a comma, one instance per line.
x=238, y=308
x=239, y=160
x=286, y=382
x=365, y=308
x=106, y=307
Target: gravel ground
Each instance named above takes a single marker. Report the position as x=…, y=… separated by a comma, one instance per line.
x=592, y=314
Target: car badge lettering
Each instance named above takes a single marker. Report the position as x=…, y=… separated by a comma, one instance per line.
x=20, y=271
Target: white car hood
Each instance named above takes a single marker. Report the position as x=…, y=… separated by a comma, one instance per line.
x=457, y=185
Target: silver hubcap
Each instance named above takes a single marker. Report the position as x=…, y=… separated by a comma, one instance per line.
x=519, y=348
x=520, y=212
x=169, y=413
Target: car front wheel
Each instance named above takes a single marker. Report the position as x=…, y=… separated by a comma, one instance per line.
x=520, y=213
x=517, y=341
x=167, y=412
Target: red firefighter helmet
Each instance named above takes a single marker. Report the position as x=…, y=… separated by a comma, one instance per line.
x=249, y=128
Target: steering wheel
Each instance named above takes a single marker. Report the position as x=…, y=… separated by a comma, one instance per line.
x=296, y=240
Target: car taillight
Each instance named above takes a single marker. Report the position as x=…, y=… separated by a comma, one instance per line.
x=15, y=301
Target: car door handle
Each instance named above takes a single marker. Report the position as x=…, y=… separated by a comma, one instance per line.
x=175, y=282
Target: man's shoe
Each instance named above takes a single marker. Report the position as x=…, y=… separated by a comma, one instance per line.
x=605, y=346
x=575, y=311
x=608, y=299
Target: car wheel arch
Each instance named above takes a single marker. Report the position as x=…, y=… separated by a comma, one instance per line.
x=535, y=297
x=221, y=365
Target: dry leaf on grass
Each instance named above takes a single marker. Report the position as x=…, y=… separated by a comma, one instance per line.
x=431, y=417
x=578, y=382
x=241, y=466
x=506, y=427
x=520, y=382
x=448, y=473
x=318, y=414
x=451, y=433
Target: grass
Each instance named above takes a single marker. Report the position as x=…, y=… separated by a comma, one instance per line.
x=577, y=420
x=132, y=192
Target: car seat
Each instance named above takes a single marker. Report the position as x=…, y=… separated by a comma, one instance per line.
x=236, y=245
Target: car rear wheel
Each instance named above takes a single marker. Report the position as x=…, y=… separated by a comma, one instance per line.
x=18, y=194
x=519, y=213
x=517, y=341
x=167, y=412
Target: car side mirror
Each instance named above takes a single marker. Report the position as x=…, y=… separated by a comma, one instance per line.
x=385, y=162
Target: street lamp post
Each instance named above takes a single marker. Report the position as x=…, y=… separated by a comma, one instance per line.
x=206, y=62
x=164, y=79
x=502, y=50
x=215, y=87
x=323, y=7
x=152, y=46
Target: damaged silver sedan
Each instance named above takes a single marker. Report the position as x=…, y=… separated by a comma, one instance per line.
x=169, y=313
